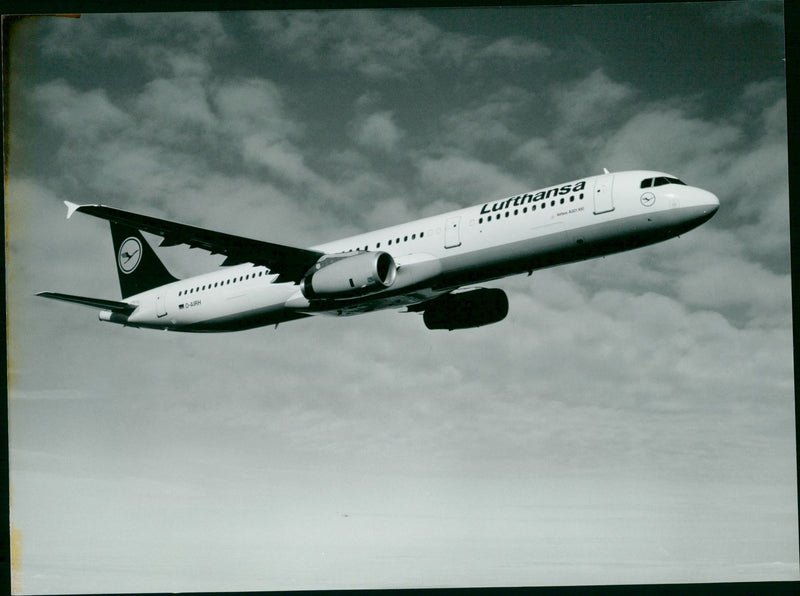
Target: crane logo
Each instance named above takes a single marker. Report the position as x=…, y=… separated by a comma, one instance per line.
x=130, y=254
x=648, y=199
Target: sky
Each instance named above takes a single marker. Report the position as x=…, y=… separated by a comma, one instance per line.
x=630, y=421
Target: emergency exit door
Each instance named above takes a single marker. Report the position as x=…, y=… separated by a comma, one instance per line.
x=161, y=308
x=603, y=196
x=451, y=234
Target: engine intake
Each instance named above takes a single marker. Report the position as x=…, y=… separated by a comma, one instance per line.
x=473, y=308
x=349, y=276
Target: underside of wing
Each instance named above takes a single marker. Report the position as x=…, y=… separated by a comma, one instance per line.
x=289, y=262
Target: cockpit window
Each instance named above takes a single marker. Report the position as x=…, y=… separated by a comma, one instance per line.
x=660, y=181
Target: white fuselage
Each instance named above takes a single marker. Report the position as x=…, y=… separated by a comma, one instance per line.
x=582, y=219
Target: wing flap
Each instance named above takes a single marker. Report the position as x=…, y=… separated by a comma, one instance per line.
x=289, y=262
x=112, y=305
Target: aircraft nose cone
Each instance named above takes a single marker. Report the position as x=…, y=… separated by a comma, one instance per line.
x=704, y=201
x=713, y=202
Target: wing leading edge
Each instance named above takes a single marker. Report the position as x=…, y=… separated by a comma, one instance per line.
x=289, y=262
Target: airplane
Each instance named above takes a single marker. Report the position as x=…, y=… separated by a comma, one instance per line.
x=427, y=266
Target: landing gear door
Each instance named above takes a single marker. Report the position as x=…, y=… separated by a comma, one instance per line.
x=603, y=196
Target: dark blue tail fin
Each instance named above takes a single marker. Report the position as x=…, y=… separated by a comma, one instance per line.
x=138, y=266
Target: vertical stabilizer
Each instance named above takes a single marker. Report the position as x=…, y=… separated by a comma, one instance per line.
x=138, y=266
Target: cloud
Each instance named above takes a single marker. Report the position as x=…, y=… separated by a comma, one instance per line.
x=573, y=121
x=151, y=39
x=538, y=154
x=626, y=325
x=382, y=44
x=377, y=131
x=174, y=109
x=515, y=48
x=88, y=115
x=489, y=125
x=464, y=180
x=374, y=43
x=388, y=211
x=669, y=140
x=253, y=104
x=588, y=103
x=742, y=14
x=281, y=158
x=721, y=285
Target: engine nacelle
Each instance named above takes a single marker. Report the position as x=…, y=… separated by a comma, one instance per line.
x=349, y=276
x=473, y=308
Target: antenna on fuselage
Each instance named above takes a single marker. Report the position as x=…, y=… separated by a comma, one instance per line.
x=605, y=171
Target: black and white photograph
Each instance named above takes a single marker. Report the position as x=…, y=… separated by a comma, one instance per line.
x=395, y=298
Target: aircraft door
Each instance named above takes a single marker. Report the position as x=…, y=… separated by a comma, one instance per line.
x=161, y=307
x=603, y=197
x=451, y=234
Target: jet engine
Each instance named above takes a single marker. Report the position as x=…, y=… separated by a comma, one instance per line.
x=465, y=310
x=349, y=276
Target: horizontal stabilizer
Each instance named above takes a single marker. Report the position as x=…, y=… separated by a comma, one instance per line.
x=112, y=305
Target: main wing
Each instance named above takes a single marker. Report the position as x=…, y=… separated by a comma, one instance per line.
x=289, y=262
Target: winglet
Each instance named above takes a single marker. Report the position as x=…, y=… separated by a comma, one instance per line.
x=71, y=208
